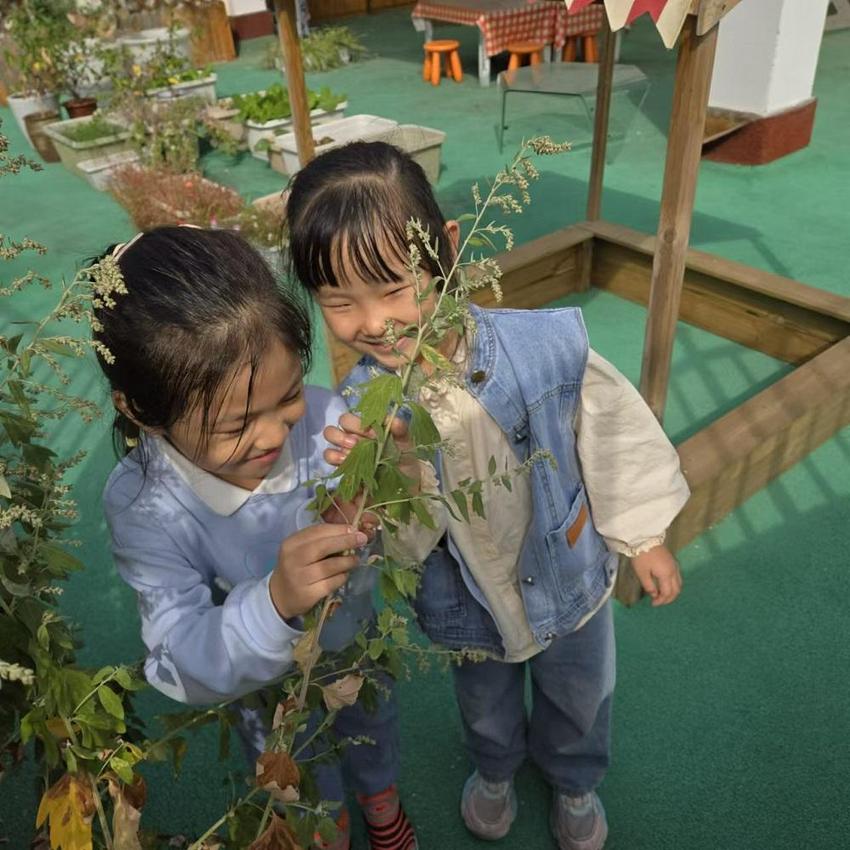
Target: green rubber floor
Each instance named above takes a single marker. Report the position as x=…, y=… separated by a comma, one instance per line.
x=731, y=718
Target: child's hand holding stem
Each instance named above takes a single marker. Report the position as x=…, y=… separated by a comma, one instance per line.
x=344, y=437
x=312, y=564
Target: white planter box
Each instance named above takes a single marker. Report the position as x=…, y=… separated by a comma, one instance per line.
x=98, y=171
x=23, y=105
x=280, y=126
x=351, y=129
x=205, y=89
x=142, y=44
x=424, y=145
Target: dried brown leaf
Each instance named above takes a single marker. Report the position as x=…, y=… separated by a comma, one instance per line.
x=342, y=692
x=278, y=774
x=278, y=836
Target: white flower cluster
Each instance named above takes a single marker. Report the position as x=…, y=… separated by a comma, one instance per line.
x=16, y=673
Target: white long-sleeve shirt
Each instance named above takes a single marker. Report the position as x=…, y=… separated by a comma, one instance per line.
x=629, y=467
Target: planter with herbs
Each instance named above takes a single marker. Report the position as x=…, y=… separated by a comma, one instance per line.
x=198, y=82
x=80, y=139
x=269, y=113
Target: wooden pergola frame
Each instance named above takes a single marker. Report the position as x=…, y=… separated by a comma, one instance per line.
x=743, y=450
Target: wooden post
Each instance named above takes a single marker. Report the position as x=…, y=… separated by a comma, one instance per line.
x=600, y=126
x=684, y=146
x=287, y=29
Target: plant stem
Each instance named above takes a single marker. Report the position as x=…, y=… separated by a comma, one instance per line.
x=266, y=812
x=196, y=845
x=101, y=814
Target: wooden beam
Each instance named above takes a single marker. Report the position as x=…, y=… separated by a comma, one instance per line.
x=604, y=86
x=740, y=453
x=710, y=13
x=775, y=315
x=288, y=33
x=684, y=147
x=533, y=274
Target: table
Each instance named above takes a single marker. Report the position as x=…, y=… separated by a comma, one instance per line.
x=568, y=79
x=501, y=22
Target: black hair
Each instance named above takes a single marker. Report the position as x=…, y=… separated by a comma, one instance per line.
x=356, y=201
x=198, y=304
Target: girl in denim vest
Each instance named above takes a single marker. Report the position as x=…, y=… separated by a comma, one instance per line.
x=531, y=583
x=208, y=513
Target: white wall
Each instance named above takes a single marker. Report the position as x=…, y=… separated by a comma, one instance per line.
x=244, y=7
x=767, y=53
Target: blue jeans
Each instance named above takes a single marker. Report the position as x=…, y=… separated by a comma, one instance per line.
x=568, y=734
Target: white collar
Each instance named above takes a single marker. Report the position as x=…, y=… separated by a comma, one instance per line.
x=221, y=496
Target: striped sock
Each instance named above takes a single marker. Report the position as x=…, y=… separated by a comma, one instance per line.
x=386, y=822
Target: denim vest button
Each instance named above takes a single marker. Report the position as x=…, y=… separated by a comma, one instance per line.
x=529, y=579
x=549, y=637
x=478, y=376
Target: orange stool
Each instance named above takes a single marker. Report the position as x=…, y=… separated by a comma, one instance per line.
x=520, y=50
x=590, y=52
x=434, y=50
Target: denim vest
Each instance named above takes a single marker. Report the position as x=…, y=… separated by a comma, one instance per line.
x=525, y=368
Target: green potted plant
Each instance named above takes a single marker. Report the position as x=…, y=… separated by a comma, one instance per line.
x=37, y=31
x=80, y=66
x=322, y=50
x=80, y=139
x=268, y=113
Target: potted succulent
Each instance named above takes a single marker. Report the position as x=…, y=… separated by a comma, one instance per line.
x=37, y=31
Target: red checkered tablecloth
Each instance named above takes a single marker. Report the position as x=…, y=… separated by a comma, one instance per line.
x=505, y=21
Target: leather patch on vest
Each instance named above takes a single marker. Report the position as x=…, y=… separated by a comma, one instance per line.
x=575, y=530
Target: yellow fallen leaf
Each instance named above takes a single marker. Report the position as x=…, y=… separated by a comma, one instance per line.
x=342, y=692
x=69, y=806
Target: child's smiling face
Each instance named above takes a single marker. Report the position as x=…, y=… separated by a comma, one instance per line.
x=357, y=314
x=359, y=310
x=250, y=420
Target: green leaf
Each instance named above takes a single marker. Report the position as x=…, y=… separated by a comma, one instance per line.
x=11, y=344
x=388, y=588
x=478, y=504
x=423, y=431
x=436, y=359
x=378, y=395
x=18, y=428
x=491, y=466
x=358, y=470
x=58, y=560
x=422, y=513
x=460, y=500
x=43, y=637
x=122, y=768
x=376, y=648
x=70, y=760
x=110, y=701
x=327, y=829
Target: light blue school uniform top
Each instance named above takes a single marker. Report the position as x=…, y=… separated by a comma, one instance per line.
x=199, y=552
